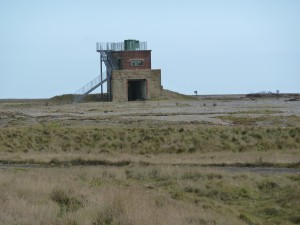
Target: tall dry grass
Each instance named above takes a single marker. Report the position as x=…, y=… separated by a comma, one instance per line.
x=142, y=195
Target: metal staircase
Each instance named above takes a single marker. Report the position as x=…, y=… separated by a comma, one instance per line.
x=109, y=62
x=97, y=82
x=88, y=88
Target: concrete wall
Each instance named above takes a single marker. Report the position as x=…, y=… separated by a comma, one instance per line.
x=120, y=79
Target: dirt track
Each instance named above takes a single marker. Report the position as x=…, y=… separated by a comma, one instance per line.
x=229, y=169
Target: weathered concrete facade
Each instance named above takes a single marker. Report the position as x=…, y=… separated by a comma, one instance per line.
x=149, y=85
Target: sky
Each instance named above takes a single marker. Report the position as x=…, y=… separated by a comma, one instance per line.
x=48, y=47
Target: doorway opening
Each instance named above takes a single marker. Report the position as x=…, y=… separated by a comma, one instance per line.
x=137, y=90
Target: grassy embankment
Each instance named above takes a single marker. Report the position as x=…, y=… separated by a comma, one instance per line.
x=187, y=139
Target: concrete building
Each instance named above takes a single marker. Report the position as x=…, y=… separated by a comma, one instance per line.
x=132, y=77
x=129, y=75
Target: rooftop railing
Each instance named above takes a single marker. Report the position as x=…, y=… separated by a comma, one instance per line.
x=120, y=46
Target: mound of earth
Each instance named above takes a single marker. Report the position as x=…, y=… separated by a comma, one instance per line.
x=171, y=95
x=69, y=98
x=165, y=95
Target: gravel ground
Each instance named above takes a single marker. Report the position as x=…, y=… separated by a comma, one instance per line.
x=206, y=111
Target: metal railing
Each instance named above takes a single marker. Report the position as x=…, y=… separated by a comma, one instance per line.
x=109, y=62
x=120, y=46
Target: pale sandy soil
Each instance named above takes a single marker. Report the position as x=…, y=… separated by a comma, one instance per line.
x=206, y=111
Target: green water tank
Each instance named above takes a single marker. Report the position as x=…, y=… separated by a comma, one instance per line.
x=131, y=45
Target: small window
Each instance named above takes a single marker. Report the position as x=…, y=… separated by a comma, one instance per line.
x=136, y=62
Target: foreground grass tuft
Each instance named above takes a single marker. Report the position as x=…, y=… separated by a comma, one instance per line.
x=65, y=201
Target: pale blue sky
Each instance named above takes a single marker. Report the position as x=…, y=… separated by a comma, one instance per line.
x=47, y=48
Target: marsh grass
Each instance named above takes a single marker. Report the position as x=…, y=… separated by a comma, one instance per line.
x=105, y=170
x=169, y=139
x=264, y=118
x=65, y=201
x=142, y=195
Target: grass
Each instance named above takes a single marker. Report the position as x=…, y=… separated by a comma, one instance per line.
x=157, y=140
x=142, y=195
x=69, y=98
x=86, y=164
x=65, y=201
x=267, y=119
x=167, y=95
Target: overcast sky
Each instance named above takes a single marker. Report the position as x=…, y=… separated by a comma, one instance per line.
x=47, y=47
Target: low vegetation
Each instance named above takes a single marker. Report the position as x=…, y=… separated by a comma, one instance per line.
x=267, y=119
x=142, y=195
x=69, y=98
x=142, y=140
x=141, y=164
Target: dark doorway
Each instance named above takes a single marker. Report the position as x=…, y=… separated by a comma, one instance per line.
x=136, y=90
